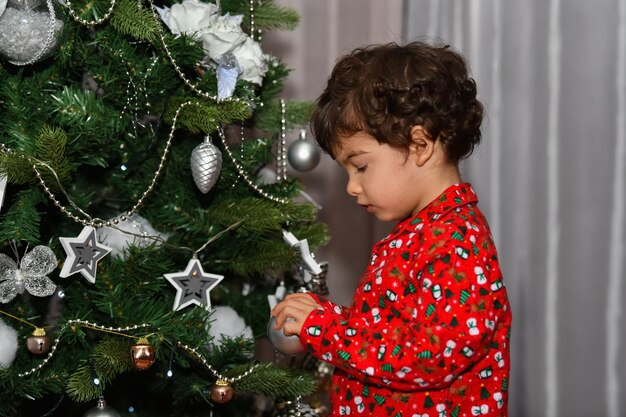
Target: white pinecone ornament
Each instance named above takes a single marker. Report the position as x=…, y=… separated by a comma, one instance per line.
x=206, y=163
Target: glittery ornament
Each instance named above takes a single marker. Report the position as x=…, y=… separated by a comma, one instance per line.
x=287, y=345
x=206, y=162
x=39, y=342
x=28, y=34
x=142, y=354
x=222, y=391
x=30, y=276
x=102, y=410
x=227, y=72
x=303, y=155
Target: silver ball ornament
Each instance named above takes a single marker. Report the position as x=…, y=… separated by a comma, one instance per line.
x=27, y=34
x=102, y=410
x=206, y=163
x=303, y=154
x=287, y=345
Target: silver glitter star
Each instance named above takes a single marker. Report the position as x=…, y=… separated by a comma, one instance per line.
x=193, y=285
x=83, y=253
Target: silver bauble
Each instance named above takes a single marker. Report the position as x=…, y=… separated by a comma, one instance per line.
x=27, y=34
x=287, y=345
x=206, y=162
x=102, y=410
x=303, y=155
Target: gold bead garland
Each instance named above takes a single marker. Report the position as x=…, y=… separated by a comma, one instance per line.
x=215, y=373
x=94, y=22
x=96, y=222
x=119, y=331
x=244, y=176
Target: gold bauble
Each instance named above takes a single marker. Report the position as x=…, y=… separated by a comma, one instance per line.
x=38, y=343
x=142, y=354
x=222, y=392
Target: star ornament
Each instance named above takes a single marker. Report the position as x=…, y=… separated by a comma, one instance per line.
x=193, y=285
x=83, y=253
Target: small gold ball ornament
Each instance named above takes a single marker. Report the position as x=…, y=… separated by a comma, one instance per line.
x=39, y=342
x=142, y=354
x=222, y=392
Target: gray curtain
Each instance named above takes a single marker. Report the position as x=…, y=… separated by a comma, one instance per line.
x=551, y=177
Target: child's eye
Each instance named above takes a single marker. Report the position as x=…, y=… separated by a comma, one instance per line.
x=361, y=168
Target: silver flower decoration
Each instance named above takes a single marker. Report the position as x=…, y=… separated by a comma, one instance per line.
x=30, y=276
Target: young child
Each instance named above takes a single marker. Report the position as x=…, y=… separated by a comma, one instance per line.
x=427, y=333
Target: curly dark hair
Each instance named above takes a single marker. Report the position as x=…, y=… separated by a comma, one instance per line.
x=385, y=90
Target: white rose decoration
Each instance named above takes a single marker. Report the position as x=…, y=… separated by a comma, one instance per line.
x=221, y=35
x=188, y=17
x=251, y=60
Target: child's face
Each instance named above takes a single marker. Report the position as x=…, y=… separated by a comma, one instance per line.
x=384, y=180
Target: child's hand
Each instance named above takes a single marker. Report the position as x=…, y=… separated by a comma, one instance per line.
x=295, y=306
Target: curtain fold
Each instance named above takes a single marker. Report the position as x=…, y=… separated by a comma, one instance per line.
x=551, y=178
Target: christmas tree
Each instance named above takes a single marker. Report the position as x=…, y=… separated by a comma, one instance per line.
x=145, y=210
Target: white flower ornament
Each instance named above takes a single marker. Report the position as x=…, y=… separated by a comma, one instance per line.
x=30, y=276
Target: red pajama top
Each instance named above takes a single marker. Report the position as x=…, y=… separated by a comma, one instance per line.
x=427, y=333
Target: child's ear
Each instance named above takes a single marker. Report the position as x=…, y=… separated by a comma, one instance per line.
x=422, y=145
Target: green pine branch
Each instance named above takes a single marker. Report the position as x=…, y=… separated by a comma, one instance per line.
x=273, y=381
x=132, y=19
x=22, y=220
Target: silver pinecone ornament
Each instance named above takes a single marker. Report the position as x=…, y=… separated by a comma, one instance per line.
x=206, y=162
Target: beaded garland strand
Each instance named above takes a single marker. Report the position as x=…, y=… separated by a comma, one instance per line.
x=119, y=331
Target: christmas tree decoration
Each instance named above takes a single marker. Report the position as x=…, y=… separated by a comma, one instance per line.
x=28, y=34
x=303, y=246
x=227, y=72
x=297, y=409
x=287, y=345
x=222, y=391
x=8, y=344
x=142, y=354
x=134, y=231
x=193, y=285
x=3, y=183
x=303, y=155
x=30, y=276
x=226, y=323
x=38, y=343
x=206, y=163
x=83, y=253
x=219, y=34
x=102, y=410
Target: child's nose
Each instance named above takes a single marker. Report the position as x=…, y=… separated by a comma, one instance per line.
x=353, y=188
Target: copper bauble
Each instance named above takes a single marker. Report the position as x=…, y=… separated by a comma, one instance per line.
x=142, y=354
x=39, y=342
x=222, y=392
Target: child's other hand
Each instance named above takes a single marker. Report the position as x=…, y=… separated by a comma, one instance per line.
x=296, y=306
